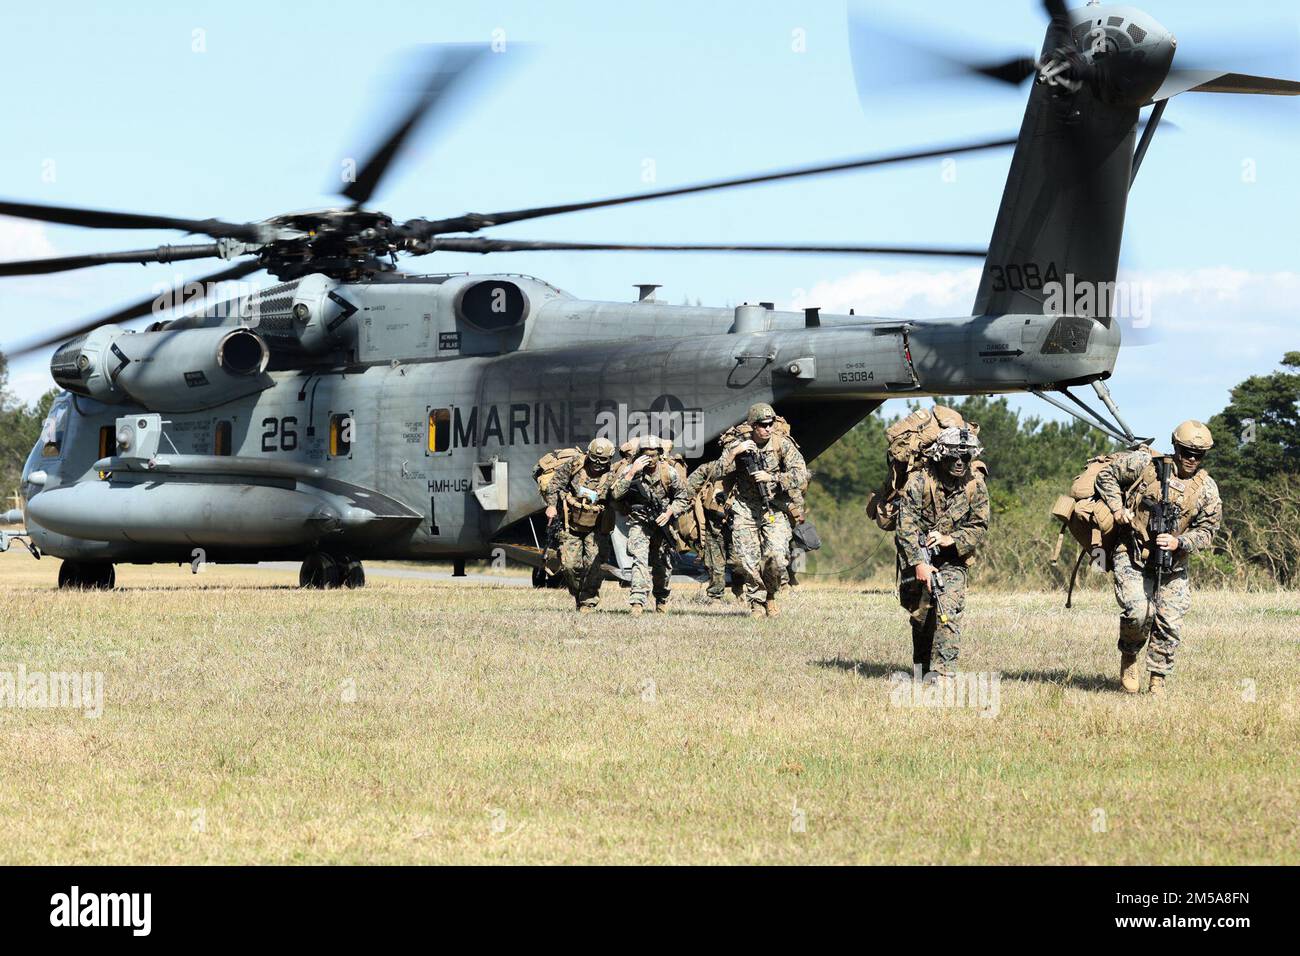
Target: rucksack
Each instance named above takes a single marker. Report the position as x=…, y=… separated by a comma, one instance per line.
x=684, y=530
x=780, y=429
x=550, y=463
x=1086, y=517
x=908, y=440
x=579, y=516
x=792, y=500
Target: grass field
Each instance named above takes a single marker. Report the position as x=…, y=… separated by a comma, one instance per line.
x=417, y=722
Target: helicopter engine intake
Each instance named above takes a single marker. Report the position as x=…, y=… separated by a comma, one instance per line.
x=174, y=370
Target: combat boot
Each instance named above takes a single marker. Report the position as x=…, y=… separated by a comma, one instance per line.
x=773, y=609
x=1157, y=687
x=1129, y=677
x=661, y=607
x=585, y=609
x=636, y=610
x=757, y=610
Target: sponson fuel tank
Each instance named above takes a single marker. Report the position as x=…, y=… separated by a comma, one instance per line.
x=175, y=512
x=177, y=371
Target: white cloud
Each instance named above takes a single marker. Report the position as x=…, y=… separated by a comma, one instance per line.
x=911, y=294
x=21, y=239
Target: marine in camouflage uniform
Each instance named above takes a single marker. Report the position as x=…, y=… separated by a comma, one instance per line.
x=945, y=503
x=1128, y=486
x=587, y=479
x=760, y=528
x=650, y=493
x=713, y=529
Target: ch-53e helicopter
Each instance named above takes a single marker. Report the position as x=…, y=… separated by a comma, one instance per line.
x=355, y=412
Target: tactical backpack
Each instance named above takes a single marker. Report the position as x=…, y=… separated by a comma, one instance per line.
x=550, y=463
x=792, y=500
x=1086, y=517
x=580, y=515
x=908, y=440
x=684, y=529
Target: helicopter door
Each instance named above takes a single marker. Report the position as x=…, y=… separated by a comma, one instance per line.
x=901, y=372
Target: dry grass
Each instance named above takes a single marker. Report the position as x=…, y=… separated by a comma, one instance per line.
x=493, y=725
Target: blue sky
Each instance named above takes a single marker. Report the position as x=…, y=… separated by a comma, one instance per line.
x=116, y=103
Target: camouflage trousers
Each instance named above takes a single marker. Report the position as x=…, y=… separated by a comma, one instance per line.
x=581, y=556
x=1143, y=611
x=652, y=562
x=936, y=621
x=713, y=552
x=760, y=548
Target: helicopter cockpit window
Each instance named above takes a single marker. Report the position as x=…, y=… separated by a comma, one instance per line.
x=221, y=440
x=52, y=431
x=439, y=430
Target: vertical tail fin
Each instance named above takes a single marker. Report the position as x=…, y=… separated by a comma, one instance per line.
x=1062, y=212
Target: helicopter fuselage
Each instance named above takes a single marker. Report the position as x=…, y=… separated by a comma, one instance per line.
x=413, y=415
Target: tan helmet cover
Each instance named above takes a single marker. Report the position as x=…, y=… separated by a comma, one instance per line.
x=601, y=448
x=1194, y=435
x=653, y=443
x=759, y=411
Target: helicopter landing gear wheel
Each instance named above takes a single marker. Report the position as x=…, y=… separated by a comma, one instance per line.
x=87, y=575
x=353, y=575
x=320, y=571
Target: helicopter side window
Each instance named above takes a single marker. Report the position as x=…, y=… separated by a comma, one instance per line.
x=439, y=430
x=341, y=435
x=107, y=441
x=221, y=440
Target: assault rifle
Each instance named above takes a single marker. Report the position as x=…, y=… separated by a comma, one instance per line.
x=1163, y=519
x=936, y=578
x=752, y=465
x=552, y=534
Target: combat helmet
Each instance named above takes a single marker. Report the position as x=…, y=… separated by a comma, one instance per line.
x=954, y=442
x=1194, y=435
x=600, y=451
x=760, y=412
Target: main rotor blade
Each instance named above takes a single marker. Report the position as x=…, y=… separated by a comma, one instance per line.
x=30, y=267
x=485, y=245
x=101, y=219
x=472, y=222
x=454, y=64
x=137, y=309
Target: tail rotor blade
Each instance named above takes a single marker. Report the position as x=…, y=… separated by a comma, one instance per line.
x=1215, y=81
